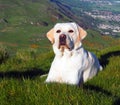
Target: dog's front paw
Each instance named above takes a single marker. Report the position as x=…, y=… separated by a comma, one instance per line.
x=47, y=81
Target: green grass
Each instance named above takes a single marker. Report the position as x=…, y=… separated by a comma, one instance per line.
x=18, y=32
x=28, y=55
x=20, y=81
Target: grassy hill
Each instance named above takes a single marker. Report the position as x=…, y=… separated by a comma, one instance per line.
x=21, y=81
x=23, y=25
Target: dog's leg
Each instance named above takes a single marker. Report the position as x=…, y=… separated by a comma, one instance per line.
x=81, y=81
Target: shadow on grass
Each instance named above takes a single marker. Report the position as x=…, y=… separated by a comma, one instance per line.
x=97, y=89
x=22, y=74
x=104, y=59
x=116, y=99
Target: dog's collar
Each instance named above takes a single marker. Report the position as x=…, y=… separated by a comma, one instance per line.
x=79, y=47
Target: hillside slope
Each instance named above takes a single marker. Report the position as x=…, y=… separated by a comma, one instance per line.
x=73, y=9
x=21, y=81
x=25, y=23
x=38, y=12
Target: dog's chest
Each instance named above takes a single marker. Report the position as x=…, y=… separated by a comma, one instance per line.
x=66, y=69
x=67, y=63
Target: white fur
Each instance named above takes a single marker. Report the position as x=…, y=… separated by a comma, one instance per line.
x=73, y=66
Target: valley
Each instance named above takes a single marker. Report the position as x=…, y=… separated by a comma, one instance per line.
x=100, y=15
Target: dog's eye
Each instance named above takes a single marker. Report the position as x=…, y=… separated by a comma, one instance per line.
x=58, y=31
x=70, y=31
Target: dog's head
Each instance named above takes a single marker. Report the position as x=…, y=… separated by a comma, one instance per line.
x=66, y=35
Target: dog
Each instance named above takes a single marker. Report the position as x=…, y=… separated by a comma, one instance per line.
x=72, y=63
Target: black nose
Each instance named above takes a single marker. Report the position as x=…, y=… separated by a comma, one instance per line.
x=62, y=39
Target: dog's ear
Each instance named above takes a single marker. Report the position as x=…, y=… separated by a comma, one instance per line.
x=82, y=33
x=50, y=35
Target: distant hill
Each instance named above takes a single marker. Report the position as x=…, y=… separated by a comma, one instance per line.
x=37, y=12
x=101, y=15
x=24, y=24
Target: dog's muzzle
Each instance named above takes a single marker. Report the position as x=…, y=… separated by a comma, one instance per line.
x=62, y=40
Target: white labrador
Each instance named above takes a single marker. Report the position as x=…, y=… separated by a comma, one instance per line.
x=72, y=63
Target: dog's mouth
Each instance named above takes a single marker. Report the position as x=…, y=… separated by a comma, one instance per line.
x=63, y=43
x=63, y=47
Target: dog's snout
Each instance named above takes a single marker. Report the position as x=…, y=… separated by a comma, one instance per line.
x=62, y=39
x=62, y=36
